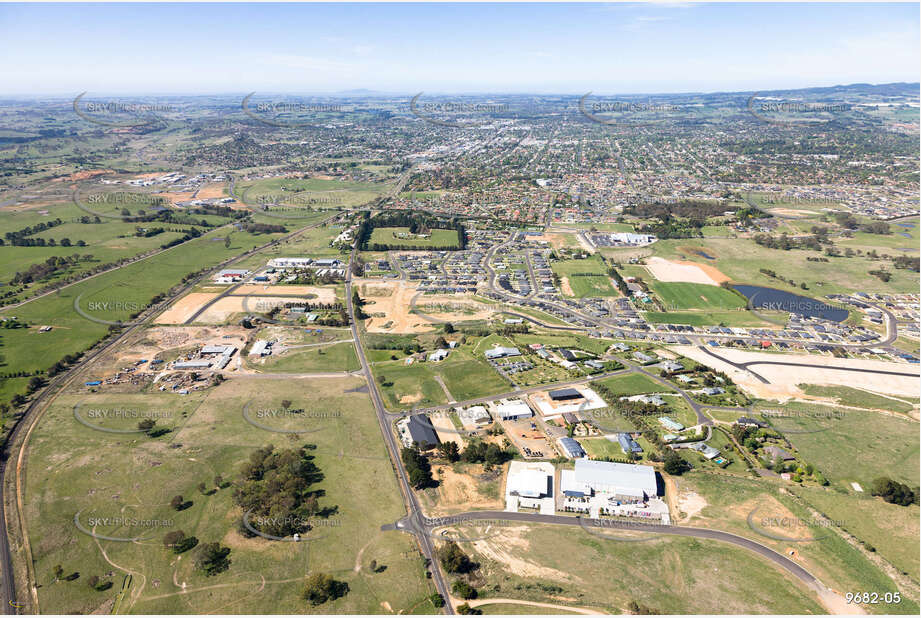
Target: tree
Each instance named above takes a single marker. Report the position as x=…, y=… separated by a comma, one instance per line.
x=218, y=481
x=675, y=464
x=464, y=609
x=146, y=425
x=177, y=502
x=893, y=491
x=449, y=451
x=454, y=560
x=463, y=589
x=373, y=566
x=212, y=558
x=320, y=588
x=202, y=488
x=286, y=404
x=437, y=600
x=448, y=328
x=58, y=571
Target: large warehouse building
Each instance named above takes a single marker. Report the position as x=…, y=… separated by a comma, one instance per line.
x=623, y=482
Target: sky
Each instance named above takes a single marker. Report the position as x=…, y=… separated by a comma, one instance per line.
x=612, y=48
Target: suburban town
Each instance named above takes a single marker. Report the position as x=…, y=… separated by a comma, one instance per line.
x=402, y=351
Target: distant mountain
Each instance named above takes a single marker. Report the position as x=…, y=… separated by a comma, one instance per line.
x=894, y=89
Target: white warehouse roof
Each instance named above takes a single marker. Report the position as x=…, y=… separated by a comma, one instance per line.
x=610, y=477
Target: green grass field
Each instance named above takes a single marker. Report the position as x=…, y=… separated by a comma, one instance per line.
x=297, y=195
x=336, y=357
x=730, y=500
x=853, y=445
x=396, y=236
x=633, y=384
x=890, y=528
x=848, y=396
x=104, y=475
x=683, y=296
x=742, y=259
x=587, y=277
x=465, y=373
x=705, y=318
x=667, y=574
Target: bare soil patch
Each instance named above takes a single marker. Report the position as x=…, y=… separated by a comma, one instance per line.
x=185, y=308
x=690, y=272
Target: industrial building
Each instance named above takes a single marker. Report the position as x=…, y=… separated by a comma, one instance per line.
x=418, y=430
x=571, y=448
x=513, y=410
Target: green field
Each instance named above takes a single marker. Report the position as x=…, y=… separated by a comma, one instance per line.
x=298, y=196
x=852, y=445
x=705, y=318
x=741, y=260
x=730, y=500
x=105, y=475
x=465, y=373
x=848, y=396
x=400, y=236
x=670, y=575
x=890, y=528
x=336, y=357
x=683, y=296
x=587, y=277
x=633, y=384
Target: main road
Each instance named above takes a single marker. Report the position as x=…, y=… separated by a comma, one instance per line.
x=409, y=497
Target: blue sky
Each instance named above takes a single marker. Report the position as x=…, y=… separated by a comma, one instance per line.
x=406, y=48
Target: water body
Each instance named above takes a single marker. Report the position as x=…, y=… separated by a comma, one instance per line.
x=703, y=255
x=905, y=234
x=780, y=300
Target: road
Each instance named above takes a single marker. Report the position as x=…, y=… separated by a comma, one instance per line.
x=36, y=406
x=409, y=497
x=420, y=525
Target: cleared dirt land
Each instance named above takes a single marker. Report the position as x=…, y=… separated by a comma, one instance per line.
x=691, y=272
x=784, y=379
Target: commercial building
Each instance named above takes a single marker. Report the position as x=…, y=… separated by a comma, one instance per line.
x=628, y=444
x=571, y=448
x=502, y=352
x=513, y=410
x=474, y=417
x=530, y=485
x=418, y=430
x=623, y=482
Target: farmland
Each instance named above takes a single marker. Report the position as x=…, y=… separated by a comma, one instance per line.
x=401, y=237
x=136, y=476
x=683, y=296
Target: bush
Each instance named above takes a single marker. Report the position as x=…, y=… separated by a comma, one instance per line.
x=464, y=590
x=320, y=588
x=454, y=560
x=212, y=558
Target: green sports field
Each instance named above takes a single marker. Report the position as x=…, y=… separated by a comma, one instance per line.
x=683, y=296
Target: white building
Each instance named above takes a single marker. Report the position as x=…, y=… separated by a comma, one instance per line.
x=530, y=485
x=513, y=410
x=474, y=417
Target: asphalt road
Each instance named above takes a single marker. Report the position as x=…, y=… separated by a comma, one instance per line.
x=587, y=522
x=409, y=497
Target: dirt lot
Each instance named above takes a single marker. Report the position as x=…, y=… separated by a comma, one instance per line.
x=313, y=293
x=460, y=308
x=394, y=308
x=690, y=272
x=211, y=190
x=783, y=379
x=461, y=491
x=184, y=308
x=83, y=175
x=791, y=212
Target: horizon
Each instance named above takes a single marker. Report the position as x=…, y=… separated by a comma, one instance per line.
x=445, y=48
